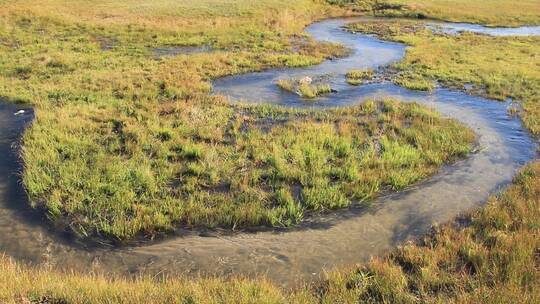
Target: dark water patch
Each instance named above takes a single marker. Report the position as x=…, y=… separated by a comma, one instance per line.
x=171, y=51
x=106, y=43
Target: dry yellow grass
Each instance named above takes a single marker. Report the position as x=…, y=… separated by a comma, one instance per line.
x=179, y=15
x=20, y=284
x=490, y=12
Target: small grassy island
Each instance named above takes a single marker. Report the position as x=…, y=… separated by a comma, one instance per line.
x=358, y=77
x=305, y=87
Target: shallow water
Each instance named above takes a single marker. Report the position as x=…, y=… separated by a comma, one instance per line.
x=456, y=28
x=341, y=238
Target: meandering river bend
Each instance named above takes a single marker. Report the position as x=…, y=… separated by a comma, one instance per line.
x=341, y=238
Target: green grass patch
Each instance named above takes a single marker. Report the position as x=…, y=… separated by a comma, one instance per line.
x=357, y=77
x=209, y=164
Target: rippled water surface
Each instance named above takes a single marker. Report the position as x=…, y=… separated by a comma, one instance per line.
x=344, y=237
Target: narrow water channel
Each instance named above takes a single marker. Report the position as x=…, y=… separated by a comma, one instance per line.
x=342, y=238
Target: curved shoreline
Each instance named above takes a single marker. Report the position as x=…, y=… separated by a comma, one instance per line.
x=351, y=235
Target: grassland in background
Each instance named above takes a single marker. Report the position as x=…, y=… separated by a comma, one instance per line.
x=488, y=12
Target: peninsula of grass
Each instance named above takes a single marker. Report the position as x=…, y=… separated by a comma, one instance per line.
x=209, y=164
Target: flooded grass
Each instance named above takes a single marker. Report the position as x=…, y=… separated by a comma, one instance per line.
x=172, y=51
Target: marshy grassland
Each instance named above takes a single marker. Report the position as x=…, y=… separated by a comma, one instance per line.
x=125, y=144
x=495, y=67
x=305, y=87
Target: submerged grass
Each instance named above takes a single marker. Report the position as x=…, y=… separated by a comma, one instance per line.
x=493, y=259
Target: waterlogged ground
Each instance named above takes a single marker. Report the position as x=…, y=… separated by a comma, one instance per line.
x=341, y=238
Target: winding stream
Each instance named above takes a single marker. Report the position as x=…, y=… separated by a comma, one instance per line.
x=342, y=238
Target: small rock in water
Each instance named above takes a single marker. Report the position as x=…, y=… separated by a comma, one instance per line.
x=306, y=80
x=20, y=112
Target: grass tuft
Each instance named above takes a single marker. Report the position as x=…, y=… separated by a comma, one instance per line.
x=358, y=77
x=304, y=87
